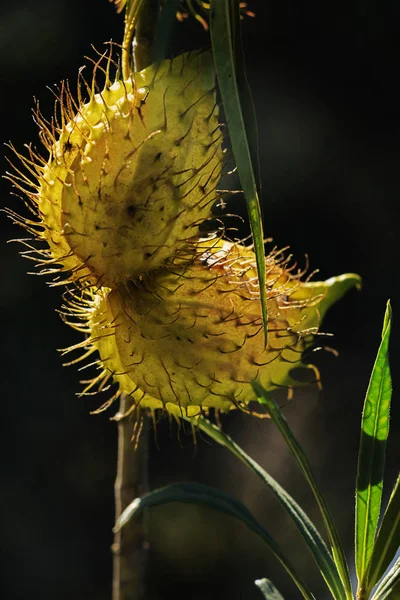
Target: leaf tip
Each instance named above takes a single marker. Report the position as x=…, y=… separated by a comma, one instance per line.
x=127, y=514
x=387, y=319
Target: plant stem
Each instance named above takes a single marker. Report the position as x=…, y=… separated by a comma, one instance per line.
x=131, y=16
x=129, y=548
x=141, y=20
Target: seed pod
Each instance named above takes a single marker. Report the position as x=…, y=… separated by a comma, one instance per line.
x=193, y=338
x=130, y=175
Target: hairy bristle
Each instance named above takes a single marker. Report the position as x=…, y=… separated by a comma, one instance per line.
x=188, y=338
x=131, y=173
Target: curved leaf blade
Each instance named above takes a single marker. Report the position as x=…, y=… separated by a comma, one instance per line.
x=389, y=584
x=372, y=450
x=213, y=498
x=165, y=27
x=305, y=526
x=227, y=52
x=279, y=420
x=268, y=589
x=387, y=541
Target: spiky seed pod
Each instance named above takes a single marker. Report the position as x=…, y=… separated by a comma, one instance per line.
x=193, y=338
x=130, y=174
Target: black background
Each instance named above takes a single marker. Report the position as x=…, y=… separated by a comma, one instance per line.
x=325, y=83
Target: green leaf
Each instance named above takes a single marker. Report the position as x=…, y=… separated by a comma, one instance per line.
x=387, y=540
x=213, y=498
x=305, y=467
x=303, y=523
x=371, y=457
x=164, y=28
x=228, y=57
x=268, y=589
x=390, y=584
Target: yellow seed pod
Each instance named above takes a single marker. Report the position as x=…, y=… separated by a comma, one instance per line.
x=131, y=173
x=193, y=338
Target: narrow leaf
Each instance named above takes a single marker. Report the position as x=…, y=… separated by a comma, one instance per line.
x=227, y=51
x=305, y=467
x=268, y=589
x=211, y=497
x=165, y=26
x=389, y=584
x=371, y=458
x=387, y=541
x=303, y=523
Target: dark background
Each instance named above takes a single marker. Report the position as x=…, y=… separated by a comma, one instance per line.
x=326, y=90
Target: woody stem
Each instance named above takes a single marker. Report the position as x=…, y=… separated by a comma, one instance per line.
x=129, y=548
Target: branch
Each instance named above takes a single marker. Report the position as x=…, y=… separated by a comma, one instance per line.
x=129, y=547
